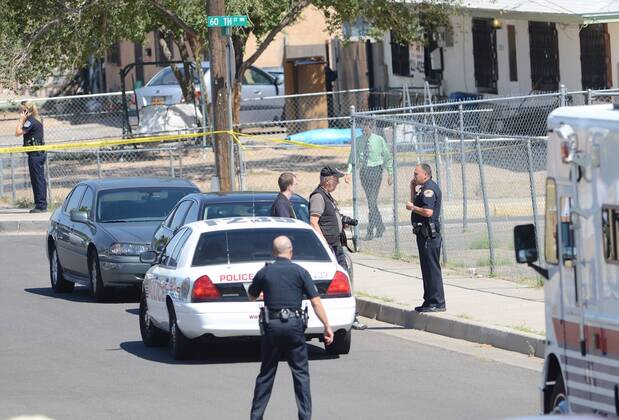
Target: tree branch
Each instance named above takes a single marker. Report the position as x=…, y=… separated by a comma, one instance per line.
x=174, y=18
x=290, y=17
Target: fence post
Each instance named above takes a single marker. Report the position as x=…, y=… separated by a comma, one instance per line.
x=48, y=179
x=486, y=206
x=12, y=177
x=532, y=187
x=353, y=145
x=394, y=178
x=447, y=153
x=171, y=163
x=180, y=161
x=437, y=170
x=562, y=94
x=462, y=167
x=589, y=96
x=1, y=177
x=241, y=168
x=98, y=163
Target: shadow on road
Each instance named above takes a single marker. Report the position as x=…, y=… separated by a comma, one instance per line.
x=225, y=351
x=82, y=294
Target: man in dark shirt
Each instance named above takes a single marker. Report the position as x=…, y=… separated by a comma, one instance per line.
x=425, y=208
x=282, y=207
x=283, y=284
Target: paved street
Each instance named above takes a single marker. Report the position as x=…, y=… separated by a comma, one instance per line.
x=69, y=358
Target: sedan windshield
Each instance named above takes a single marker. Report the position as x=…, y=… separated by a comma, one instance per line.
x=137, y=204
x=248, y=245
x=251, y=209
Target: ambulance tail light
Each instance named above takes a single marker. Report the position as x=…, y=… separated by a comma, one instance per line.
x=339, y=286
x=204, y=290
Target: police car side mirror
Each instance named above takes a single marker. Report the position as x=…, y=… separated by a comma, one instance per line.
x=149, y=257
x=525, y=243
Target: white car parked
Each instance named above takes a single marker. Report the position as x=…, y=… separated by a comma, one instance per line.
x=198, y=286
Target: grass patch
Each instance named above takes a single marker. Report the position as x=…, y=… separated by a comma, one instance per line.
x=480, y=242
x=525, y=329
x=381, y=298
x=465, y=316
x=23, y=203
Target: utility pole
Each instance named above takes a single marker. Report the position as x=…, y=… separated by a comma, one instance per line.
x=220, y=82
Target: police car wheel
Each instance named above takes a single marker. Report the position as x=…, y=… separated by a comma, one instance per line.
x=341, y=343
x=151, y=335
x=97, y=289
x=59, y=284
x=178, y=344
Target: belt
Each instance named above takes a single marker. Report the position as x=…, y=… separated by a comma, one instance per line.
x=293, y=313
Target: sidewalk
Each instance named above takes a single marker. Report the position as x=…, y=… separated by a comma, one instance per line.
x=485, y=310
x=482, y=310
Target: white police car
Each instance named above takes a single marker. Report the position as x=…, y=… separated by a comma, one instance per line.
x=198, y=285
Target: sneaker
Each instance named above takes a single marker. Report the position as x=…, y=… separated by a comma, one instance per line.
x=38, y=210
x=431, y=308
x=356, y=325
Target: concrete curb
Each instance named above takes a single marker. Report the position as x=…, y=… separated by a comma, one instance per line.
x=21, y=226
x=442, y=324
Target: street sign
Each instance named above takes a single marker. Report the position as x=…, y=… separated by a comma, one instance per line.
x=227, y=21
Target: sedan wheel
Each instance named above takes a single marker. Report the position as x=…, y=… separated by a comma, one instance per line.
x=341, y=343
x=59, y=284
x=99, y=291
x=179, y=345
x=151, y=335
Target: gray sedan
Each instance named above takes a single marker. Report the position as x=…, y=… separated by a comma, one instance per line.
x=96, y=236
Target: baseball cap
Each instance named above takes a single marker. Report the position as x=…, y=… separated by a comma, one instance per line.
x=329, y=171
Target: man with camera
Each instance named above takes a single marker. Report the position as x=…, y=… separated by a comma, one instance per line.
x=282, y=325
x=425, y=208
x=326, y=219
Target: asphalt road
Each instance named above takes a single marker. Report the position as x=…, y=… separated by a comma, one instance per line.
x=66, y=357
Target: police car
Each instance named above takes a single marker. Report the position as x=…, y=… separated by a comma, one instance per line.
x=197, y=287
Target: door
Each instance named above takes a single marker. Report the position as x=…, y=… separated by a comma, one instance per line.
x=65, y=239
x=167, y=229
x=83, y=234
x=257, y=85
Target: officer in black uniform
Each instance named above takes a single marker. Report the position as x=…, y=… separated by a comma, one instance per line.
x=425, y=207
x=283, y=326
x=31, y=127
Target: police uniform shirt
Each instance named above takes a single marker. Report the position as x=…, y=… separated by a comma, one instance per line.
x=33, y=132
x=427, y=196
x=283, y=284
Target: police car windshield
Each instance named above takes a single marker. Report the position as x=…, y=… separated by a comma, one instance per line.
x=250, y=209
x=248, y=245
x=137, y=204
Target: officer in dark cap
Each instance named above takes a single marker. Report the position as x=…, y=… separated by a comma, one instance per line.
x=326, y=219
x=425, y=207
x=283, y=284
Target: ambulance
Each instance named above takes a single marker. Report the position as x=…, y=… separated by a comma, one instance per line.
x=581, y=253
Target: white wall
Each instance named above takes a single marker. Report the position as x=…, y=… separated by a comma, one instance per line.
x=613, y=32
x=569, y=56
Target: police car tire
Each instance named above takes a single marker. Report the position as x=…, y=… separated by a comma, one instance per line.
x=151, y=335
x=59, y=284
x=99, y=291
x=178, y=344
x=341, y=343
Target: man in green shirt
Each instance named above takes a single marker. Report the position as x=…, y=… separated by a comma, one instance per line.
x=372, y=155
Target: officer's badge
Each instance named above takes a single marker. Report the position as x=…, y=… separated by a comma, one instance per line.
x=428, y=193
x=418, y=189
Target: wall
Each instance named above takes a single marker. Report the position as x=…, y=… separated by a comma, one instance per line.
x=613, y=31
x=569, y=56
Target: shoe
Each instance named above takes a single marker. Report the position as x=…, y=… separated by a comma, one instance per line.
x=38, y=210
x=356, y=325
x=431, y=308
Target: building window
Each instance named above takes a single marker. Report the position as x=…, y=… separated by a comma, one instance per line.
x=113, y=54
x=511, y=49
x=544, y=47
x=399, y=58
x=485, y=55
x=595, y=57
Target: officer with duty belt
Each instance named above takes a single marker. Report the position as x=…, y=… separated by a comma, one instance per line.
x=282, y=324
x=425, y=208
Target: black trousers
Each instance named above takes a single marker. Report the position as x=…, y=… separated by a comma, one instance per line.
x=283, y=340
x=36, y=167
x=429, y=258
x=338, y=250
x=371, y=178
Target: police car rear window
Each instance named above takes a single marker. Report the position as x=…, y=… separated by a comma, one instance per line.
x=247, y=245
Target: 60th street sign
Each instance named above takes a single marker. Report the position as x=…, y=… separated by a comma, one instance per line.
x=227, y=21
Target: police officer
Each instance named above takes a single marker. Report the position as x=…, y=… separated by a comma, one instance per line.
x=31, y=127
x=282, y=207
x=425, y=207
x=283, y=284
x=326, y=219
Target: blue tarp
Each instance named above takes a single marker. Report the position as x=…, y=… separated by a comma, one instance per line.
x=325, y=136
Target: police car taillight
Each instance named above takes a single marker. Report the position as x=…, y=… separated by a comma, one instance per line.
x=339, y=286
x=204, y=289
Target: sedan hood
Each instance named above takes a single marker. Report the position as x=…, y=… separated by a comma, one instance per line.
x=136, y=232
